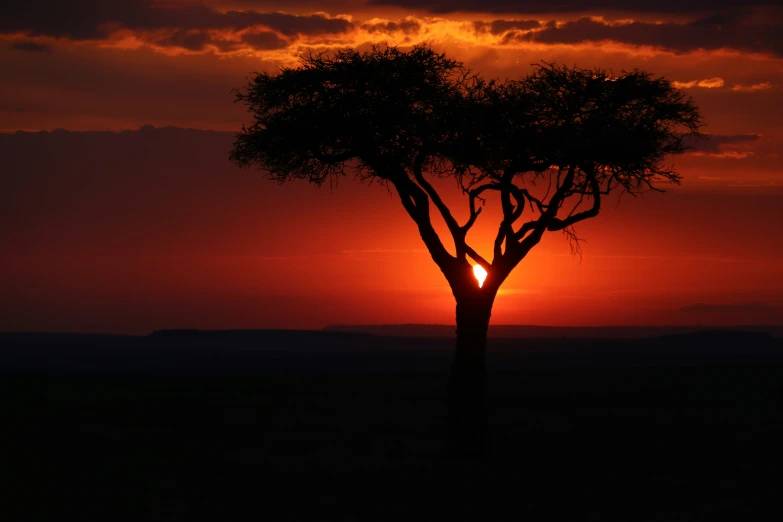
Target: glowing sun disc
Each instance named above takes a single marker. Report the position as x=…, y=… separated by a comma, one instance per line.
x=480, y=274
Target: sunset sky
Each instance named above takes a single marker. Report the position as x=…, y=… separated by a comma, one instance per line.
x=120, y=211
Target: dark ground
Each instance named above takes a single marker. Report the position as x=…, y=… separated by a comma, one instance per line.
x=218, y=431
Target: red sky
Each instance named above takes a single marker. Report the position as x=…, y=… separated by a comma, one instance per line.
x=108, y=229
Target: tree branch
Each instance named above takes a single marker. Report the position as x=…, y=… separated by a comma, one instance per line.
x=471, y=220
x=519, y=197
x=474, y=213
x=477, y=258
x=542, y=223
x=562, y=224
x=454, y=227
x=457, y=232
x=510, y=215
x=524, y=229
x=504, y=232
x=409, y=193
x=332, y=159
x=533, y=201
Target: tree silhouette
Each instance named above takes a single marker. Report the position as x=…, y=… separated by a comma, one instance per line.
x=550, y=145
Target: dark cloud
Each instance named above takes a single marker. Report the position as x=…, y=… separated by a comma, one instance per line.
x=264, y=41
x=572, y=6
x=501, y=26
x=92, y=19
x=197, y=40
x=715, y=25
x=672, y=36
x=191, y=40
x=728, y=17
x=291, y=24
x=716, y=144
x=406, y=26
x=33, y=47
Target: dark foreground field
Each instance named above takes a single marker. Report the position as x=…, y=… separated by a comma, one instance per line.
x=214, y=440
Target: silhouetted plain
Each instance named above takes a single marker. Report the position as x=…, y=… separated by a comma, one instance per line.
x=287, y=425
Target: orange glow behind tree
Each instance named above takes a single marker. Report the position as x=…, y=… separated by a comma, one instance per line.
x=550, y=146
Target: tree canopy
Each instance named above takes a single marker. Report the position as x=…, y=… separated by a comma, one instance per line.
x=405, y=117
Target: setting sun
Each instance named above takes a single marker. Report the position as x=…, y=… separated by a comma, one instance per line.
x=480, y=274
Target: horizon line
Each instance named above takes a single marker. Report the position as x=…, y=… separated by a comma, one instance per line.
x=325, y=328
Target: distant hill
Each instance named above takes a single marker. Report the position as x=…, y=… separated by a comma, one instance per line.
x=547, y=332
x=264, y=352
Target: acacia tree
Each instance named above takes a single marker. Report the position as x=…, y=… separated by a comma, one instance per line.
x=403, y=118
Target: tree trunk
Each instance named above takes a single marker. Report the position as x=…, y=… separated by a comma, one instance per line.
x=468, y=427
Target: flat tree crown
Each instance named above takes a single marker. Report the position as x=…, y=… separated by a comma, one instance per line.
x=402, y=117
x=350, y=110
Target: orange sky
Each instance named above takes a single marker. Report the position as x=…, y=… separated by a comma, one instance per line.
x=154, y=228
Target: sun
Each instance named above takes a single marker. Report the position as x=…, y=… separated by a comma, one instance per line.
x=480, y=274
